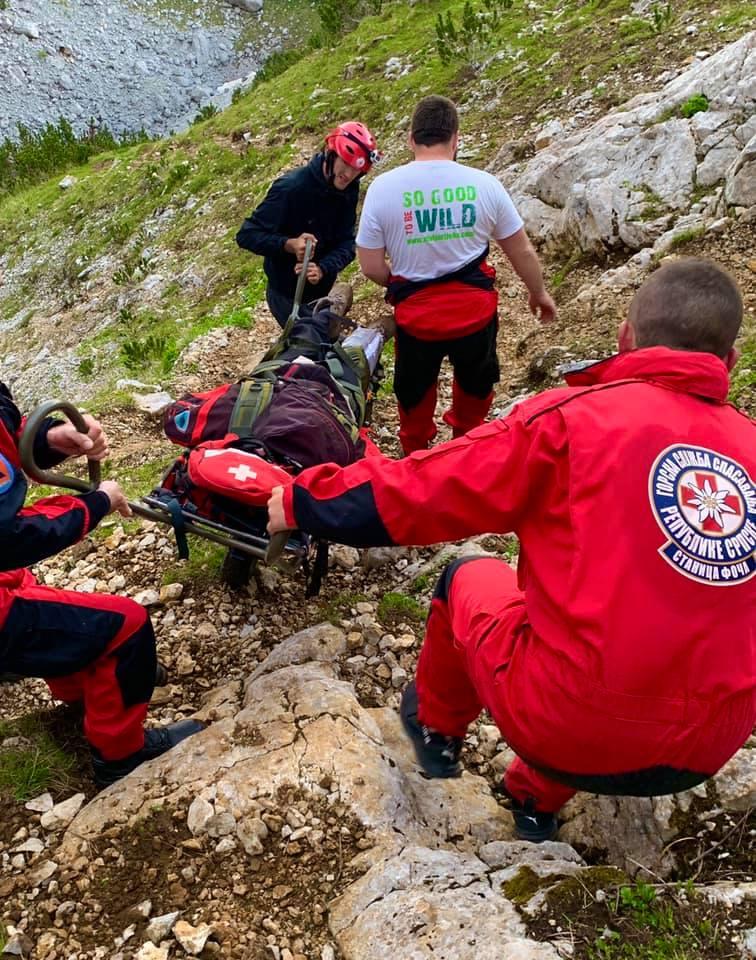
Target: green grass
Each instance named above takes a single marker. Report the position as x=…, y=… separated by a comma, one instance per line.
x=511, y=549
x=396, y=608
x=571, y=263
x=186, y=196
x=427, y=581
x=698, y=103
x=653, y=928
x=680, y=240
x=201, y=569
x=386, y=388
x=27, y=771
x=338, y=606
x=136, y=481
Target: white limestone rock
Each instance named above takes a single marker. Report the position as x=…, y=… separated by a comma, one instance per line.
x=62, y=813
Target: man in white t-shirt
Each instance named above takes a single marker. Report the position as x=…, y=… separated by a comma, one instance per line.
x=424, y=234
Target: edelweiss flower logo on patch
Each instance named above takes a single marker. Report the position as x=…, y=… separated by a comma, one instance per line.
x=712, y=505
x=705, y=503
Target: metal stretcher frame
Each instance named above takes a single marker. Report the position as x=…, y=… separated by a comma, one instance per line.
x=261, y=548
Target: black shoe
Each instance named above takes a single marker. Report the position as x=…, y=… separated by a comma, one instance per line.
x=532, y=825
x=437, y=754
x=161, y=675
x=156, y=742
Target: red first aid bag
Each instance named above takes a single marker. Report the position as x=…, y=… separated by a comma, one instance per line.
x=237, y=474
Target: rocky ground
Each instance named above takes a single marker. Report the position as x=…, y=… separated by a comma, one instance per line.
x=131, y=65
x=167, y=853
x=297, y=825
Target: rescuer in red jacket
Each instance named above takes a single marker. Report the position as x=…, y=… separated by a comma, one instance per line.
x=92, y=649
x=621, y=659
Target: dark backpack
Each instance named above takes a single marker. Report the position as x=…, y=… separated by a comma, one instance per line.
x=296, y=413
x=302, y=426
x=198, y=417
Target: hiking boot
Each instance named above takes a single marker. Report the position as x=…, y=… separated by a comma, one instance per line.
x=340, y=298
x=532, y=825
x=161, y=675
x=156, y=742
x=437, y=754
x=388, y=325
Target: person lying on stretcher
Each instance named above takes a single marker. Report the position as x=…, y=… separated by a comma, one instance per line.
x=305, y=403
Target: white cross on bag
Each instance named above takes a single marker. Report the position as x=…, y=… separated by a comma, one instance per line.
x=242, y=472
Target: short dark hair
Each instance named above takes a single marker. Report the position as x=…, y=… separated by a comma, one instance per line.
x=689, y=304
x=434, y=121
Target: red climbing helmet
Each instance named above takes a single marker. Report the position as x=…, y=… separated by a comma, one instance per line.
x=355, y=144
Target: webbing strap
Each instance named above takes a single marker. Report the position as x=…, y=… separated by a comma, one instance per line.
x=179, y=526
x=319, y=570
x=353, y=393
x=254, y=397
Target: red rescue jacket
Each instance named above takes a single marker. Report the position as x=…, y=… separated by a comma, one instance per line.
x=631, y=491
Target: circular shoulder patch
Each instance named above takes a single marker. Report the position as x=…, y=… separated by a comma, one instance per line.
x=705, y=503
x=7, y=475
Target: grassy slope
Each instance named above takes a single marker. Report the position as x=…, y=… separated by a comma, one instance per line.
x=174, y=205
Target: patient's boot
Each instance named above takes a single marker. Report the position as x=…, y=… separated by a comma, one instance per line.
x=341, y=296
x=236, y=569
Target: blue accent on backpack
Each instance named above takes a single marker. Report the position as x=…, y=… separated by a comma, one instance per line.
x=181, y=421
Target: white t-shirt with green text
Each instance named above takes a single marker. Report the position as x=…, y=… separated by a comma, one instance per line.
x=434, y=216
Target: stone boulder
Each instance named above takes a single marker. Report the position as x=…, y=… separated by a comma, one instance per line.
x=249, y=6
x=435, y=904
x=635, y=832
x=626, y=179
x=741, y=180
x=299, y=725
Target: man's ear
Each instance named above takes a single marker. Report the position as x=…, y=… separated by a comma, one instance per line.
x=625, y=337
x=733, y=355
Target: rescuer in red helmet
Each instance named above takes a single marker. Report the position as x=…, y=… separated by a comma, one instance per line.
x=316, y=202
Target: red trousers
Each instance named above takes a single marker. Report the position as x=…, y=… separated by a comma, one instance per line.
x=90, y=648
x=480, y=652
x=468, y=642
x=416, y=371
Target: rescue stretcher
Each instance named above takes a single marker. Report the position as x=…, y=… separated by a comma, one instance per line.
x=195, y=495
x=245, y=537
x=216, y=491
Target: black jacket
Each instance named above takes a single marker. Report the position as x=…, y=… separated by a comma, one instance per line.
x=302, y=202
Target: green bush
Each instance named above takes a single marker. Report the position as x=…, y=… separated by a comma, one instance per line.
x=662, y=16
x=38, y=155
x=698, y=103
x=209, y=110
x=35, y=764
x=277, y=63
x=86, y=368
x=137, y=353
x=397, y=607
x=340, y=16
x=475, y=32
